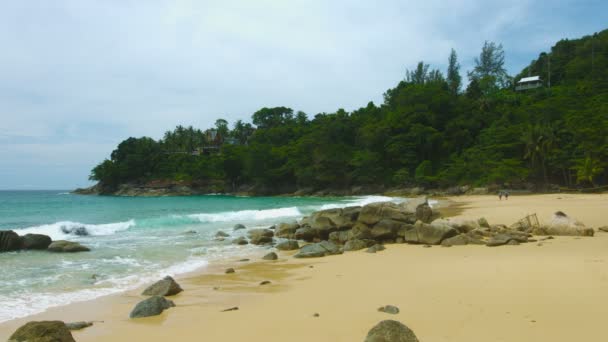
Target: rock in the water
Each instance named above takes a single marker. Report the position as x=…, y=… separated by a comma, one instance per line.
x=375, y=248
x=229, y=270
x=151, y=307
x=356, y=244
x=36, y=241
x=430, y=234
x=221, y=234
x=562, y=224
x=287, y=230
x=288, y=245
x=165, y=287
x=239, y=226
x=389, y=309
x=9, y=241
x=391, y=331
x=316, y=250
x=44, y=331
x=241, y=240
x=78, y=325
x=270, y=256
x=260, y=236
x=305, y=233
x=79, y=231
x=63, y=246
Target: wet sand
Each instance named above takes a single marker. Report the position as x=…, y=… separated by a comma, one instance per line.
x=554, y=292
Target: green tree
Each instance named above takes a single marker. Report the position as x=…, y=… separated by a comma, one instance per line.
x=453, y=76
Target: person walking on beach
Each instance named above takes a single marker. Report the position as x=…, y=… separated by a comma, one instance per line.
x=506, y=193
x=500, y=195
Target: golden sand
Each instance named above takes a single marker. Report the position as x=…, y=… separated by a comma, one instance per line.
x=554, y=292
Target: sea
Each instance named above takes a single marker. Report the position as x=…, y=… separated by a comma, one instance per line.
x=133, y=240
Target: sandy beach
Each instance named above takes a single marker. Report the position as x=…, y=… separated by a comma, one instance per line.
x=556, y=291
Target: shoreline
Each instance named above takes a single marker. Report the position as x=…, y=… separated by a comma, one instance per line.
x=292, y=278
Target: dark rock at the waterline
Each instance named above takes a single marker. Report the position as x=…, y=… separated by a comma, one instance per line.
x=80, y=231
x=239, y=226
x=63, y=246
x=316, y=250
x=270, y=256
x=9, y=241
x=265, y=282
x=288, y=245
x=165, y=287
x=221, y=234
x=36, y=241
x=229, y=270
x=78, y=325
x=241, y=240
x=260, y=236
x=43, y=331
x=151, y=307
x=391, y=331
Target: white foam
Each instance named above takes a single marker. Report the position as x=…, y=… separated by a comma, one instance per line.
x=361, y=201
x=55, y=230
x=248, y=215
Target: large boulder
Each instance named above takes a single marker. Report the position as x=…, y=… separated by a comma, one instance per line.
x=360, y=231
x=356, y=244
x=385, y=229
x=306, y=233
x=165, y=287
x=391, y=331
x=151, y=307
x=499, y=240
x=62, y=246
x=287, y=230
x=288, y=245
x=316, y=250
x=424, y=212
x=43, y=331
x=462, y=225
x=375, y=212
x=562, y=224
x=260, y=236
x=411, y=204
x=429, y=234
x=334, y=219
x=458, y=240
x=36, y=241
x=9, y=241
x=241, y=240
x=339, y=237
x=270, y=256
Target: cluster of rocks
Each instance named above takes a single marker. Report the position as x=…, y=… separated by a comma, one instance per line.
x=11, y=241
x=157, y=303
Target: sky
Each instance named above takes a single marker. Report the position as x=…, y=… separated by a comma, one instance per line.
x=79, y=76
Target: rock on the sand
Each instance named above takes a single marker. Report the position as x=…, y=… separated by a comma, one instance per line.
x=44, y=331
x=357, y=244
x=9, y=241
x=165, y=287
x=316, y=250
x=389, y=309
x=391, y=331
x=78, y=325
x=562, y=224
x=63, y=246
x=151, y=307
x=36, y=241
x=229, y=270
x=603, y=229
x=270, y=256
x=288, y=245
x=376, y=248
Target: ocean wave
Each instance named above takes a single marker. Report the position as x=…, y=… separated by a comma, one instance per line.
x=361, y=201
x=248, y=215
x=68, y=229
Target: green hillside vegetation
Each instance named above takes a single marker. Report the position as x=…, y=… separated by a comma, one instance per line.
x=428, y=132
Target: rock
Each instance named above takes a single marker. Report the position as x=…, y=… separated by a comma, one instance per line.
x=385, y=229
x=399, y=240
x=499, y=240
x=390, y=309
x=356, y=244
x=424, y=233
x=339, y=237
x=513, y=242
x=79, y=231
x=260, y=236
x=331, y=220
x=78, y=325
x=360, y=231
x=316, y=314
x=9, y=241
x=190, y=232
x=561, y=224
x=462, y=226
x=391, y=331
x=62, y=246
x=458, y=240
x=36, y=241
x=603, y=229
x=270, y=256
x=483, y=222
x=288, y=245
x=287, y=230
x=238, y=226
x=265, y=282
x=244, y=260
x=234, y=308
x=374, y=212
x=43, y=331
x=241, y=240
x=375, y=248
x=229, y=270
x=316, y=250
x=165, y=287
x=411, y=204
x=221, y=234
x=273, y=227
x=305, y=233
x=151, y=307
x=424, y=212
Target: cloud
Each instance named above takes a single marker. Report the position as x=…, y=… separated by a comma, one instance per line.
x=95, y=72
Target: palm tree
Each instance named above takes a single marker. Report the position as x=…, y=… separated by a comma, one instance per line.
x=539, y=140
x=586, y=169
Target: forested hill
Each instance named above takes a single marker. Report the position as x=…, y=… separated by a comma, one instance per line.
x=431, y=131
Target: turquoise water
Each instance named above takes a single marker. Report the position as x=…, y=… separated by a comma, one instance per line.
x=133, y=239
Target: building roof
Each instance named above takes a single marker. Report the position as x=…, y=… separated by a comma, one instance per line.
x=529, y=79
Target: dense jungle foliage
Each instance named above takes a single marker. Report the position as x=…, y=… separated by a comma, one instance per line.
x=430, y=131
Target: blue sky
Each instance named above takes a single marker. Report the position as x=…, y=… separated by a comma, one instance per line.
x=77, y=77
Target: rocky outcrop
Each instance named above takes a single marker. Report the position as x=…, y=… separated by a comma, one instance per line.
x=288, y=245
x=287, y=230
x=317, y=250
x=429, y=234
x=62, y=246
x=165, y=287
x=49, y=331
x=152, y=306
x=305, y=233
x=375, y=212
x=9, y=241
x=356, y=244
x=391, y=331
x=562, y=224
x=260, y=236
x=36, y=241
